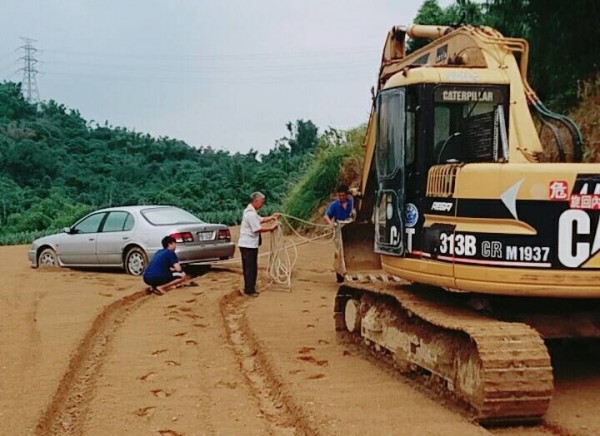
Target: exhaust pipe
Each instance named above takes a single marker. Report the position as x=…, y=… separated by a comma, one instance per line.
x=424, y=31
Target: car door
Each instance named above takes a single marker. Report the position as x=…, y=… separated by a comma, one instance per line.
x=79, y=245
x=115, y=234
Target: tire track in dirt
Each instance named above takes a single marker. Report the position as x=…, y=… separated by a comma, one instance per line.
x=533, y=430
x=33, y=332
x=66, y=412
x=283, y=414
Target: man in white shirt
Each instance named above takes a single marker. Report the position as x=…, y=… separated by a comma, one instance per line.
x=250, y=239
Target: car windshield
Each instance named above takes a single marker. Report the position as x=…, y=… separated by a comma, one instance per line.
x=161, y=216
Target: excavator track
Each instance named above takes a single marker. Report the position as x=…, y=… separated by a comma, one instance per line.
x=501, y=370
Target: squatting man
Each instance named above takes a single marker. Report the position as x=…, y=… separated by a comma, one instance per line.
x=164, y=271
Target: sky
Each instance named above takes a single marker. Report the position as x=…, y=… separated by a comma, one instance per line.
x=229, y=75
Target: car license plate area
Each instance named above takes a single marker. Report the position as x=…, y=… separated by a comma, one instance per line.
x=205, y=236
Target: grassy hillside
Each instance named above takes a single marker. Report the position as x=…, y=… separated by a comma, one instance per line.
x=338, y=159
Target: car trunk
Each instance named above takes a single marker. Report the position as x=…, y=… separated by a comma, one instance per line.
x=200, y=234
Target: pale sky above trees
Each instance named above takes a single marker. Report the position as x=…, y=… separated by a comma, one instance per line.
x=225, y=74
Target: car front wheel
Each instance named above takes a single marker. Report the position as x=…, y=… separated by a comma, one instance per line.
x=48, y=257
x=136, y=261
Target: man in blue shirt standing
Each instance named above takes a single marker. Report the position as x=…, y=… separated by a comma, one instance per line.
x=164, y=271
x=340, y=209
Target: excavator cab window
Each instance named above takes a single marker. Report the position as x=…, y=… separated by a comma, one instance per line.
x=391, y=155
x=390, y=132
x=411, y=127
x=469, y=124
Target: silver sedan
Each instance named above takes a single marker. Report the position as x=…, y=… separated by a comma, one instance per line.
x=127, y=237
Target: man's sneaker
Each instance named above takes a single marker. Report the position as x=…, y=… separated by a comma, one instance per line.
x=251, y=294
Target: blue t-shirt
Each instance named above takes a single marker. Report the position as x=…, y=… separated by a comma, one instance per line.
x=335, y=210
x=160, y=264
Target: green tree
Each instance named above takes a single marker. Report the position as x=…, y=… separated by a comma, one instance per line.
x=564, y=41
x=461, y=12
x=303, y=138
x=431, y=13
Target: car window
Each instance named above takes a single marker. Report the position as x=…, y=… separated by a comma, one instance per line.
x=89, y=224
x=169, y=215
x=115, y=222
x=128, y=222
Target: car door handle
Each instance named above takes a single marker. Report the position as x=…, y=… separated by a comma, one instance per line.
x=125, y=237
x=91, y=239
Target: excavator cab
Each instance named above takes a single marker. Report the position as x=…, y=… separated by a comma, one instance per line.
x=417, y=127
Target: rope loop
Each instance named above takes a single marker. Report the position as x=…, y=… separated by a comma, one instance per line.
x=283, y=254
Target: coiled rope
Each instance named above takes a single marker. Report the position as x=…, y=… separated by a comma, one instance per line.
x=283, y=254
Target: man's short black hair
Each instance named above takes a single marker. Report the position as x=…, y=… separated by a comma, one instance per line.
x=342, y=189
x=167, y=240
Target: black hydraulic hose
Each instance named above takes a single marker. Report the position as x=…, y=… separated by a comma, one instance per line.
x=559, y=144
x=573, y=128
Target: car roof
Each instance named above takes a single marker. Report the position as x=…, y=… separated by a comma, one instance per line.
x=133, y=208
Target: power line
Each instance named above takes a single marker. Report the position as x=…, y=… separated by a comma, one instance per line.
x=270, y=69
x=321, y=52
x=222, y=68
x=292, y=75
x=29, y=70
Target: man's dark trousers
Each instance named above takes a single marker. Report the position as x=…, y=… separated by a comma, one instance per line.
x=250, y=267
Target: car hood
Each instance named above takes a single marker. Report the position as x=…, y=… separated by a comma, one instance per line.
x=51, y=240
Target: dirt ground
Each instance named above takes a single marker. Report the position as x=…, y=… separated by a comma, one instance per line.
x=89, y=352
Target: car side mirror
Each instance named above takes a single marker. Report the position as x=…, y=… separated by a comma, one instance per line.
x=67, y=230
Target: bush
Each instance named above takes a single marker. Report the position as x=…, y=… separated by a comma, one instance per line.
x=338, y=159
x=20, y=238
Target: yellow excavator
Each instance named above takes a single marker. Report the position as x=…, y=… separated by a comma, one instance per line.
x=477, y=235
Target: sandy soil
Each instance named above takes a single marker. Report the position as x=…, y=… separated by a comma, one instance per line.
x=88, y=352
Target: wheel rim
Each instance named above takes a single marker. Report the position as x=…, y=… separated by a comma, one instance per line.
x=47, y=258
x=135, y=263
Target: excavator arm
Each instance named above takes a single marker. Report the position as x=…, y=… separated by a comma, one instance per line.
x=456, y=51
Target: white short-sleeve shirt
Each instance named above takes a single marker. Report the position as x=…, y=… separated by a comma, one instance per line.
x=249, y=230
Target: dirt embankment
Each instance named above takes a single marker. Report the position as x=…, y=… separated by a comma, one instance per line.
x=86, y=352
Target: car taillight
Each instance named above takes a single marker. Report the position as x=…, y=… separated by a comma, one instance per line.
x=224, y=235
x=182, y=237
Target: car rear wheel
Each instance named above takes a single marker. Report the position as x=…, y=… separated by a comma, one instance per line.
x=48, y=257
x=136, y=261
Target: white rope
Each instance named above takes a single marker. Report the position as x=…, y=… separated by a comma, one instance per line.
x=283, y=254
x=281, y=263
x=304, y=238
x=285, y=215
